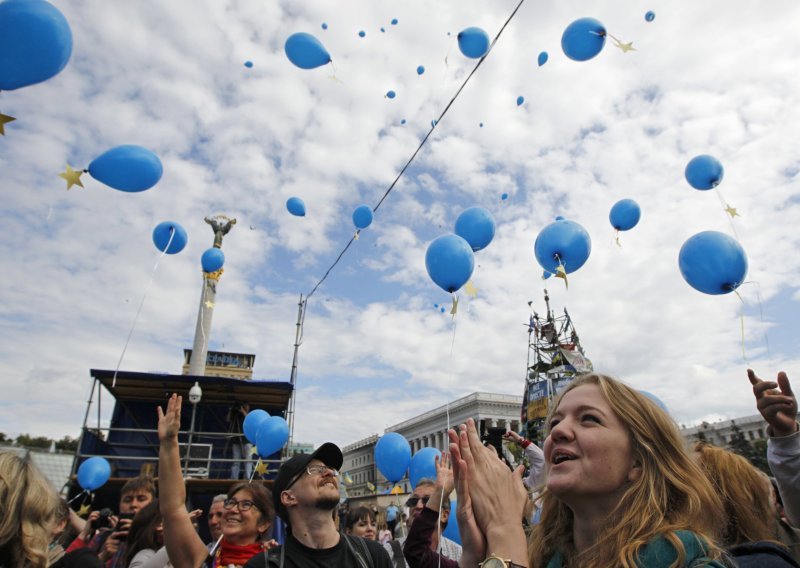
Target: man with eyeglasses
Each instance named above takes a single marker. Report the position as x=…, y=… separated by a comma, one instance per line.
x=306, y=494
x=423, y=492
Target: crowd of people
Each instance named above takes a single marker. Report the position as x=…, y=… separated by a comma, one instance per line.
x=613, y=485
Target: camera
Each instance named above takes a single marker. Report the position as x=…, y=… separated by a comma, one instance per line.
x=104, y=520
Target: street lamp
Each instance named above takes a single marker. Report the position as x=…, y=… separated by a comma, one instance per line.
x=195, y=394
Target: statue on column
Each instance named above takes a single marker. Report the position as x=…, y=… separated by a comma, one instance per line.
x=221, y=226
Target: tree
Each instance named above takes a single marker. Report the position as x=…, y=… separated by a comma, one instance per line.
x=28, y=441
x=756, y=455
x=67, y=444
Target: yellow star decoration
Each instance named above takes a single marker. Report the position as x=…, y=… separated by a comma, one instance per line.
x=84, y=510
x=454, y=309
x=254, y=452
x=73, y=177
x=625, y=47
x=470, y=289
x=561, y=273
x=732, y=211
x=261, y=468
x=209, y=304
x=5, y=119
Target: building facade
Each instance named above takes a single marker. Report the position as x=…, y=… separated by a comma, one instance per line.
x=721, y=433
x=427, y=430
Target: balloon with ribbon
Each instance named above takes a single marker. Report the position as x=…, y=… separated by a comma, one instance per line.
x=127, y=168
x=306, y=51
x=625, y=214
x=713, y=263
x=272, y=435
x=212, y=260
x=362, y=217
x=392, y=456
x=704, y=172
x=450, y=262
x=423, y=465
x=562, y=243
x=542, y=59
x=169, y=237
x=473, y=42
x=583, y=39
x=252, y=422
x=296, y=207
x=476, y=226
x=35, y=43
x=93, y=473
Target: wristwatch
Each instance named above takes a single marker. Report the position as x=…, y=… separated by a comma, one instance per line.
x=494, y=561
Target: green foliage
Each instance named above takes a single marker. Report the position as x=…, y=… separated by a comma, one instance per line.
x=755, y=452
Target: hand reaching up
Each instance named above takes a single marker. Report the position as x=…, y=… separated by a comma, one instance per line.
x=169, y=422
x=778, y=407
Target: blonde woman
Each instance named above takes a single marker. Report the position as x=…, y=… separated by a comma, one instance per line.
x=27, y=513
x=620, y=488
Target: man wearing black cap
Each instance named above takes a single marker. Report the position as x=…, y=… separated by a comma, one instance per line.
x=306, y=493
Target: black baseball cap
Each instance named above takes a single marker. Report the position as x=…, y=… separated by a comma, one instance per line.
x=328, y=453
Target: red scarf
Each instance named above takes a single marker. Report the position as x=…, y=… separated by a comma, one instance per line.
x=235, y=554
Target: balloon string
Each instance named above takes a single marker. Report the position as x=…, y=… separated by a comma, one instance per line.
x=761, y=316
x=216, y=545
x=741, y=322
x=81, y=494
x=141, y=304
x=422, y=143
x=447, y=411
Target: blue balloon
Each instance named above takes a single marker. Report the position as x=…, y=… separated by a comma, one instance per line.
x=296, y=206
x=625, y=214
x=324, y=26
x=481, y=125
x=35, y=43
x=712, y=262
x=564, y=241
x=473, y=42
x=391, y=94
x=583, y=39
x=450, y=262
x=248, y=64
x=362, y=217
x=559, y=217
x=442, y=309
x=392, y=456
x=704, y=172
x=306, y=51
x=420, y=70
x=394, y=21
x=520, y=100
x=212, y=260
x=127, y=168
x=542, y=58
x=93, y=473
x=451, y=530
x=655, y=399
x=362, y=33
x=383, y=30
x=433, y=123
x=650, y=16
x=423, y=465
x=476, y=226
x=169, y=234
x=252, y=422
x=273, y=433
x=504, y=196
x=402, y=121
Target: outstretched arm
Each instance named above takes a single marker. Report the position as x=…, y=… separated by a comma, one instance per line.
x=184, y=547
x=779, y=409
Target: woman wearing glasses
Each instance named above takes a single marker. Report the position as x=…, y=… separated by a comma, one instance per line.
x=248, y=509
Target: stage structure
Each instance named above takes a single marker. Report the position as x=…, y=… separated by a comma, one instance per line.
x=555, y=357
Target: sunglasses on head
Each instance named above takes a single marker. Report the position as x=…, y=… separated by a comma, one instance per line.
x=412, y=501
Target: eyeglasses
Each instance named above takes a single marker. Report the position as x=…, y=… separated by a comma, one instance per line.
x=322, y=470
x=412, y=501
x=243, y=505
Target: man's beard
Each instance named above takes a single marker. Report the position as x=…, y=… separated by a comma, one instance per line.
x=327, y=503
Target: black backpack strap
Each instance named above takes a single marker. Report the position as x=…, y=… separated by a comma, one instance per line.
x=358, y=547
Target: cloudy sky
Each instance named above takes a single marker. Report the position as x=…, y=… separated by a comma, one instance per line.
x=716, y=77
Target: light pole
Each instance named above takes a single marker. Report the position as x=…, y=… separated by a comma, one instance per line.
x=195, y=394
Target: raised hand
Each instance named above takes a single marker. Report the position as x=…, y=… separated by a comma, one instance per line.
x=444, y=474
x=169, y=422
x=778, y=407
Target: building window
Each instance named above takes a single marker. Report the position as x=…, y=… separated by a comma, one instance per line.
x=752, y=435
x=761, y=433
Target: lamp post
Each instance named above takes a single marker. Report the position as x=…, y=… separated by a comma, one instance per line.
x=195, y=394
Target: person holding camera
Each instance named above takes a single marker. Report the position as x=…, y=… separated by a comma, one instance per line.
x=105, y=533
